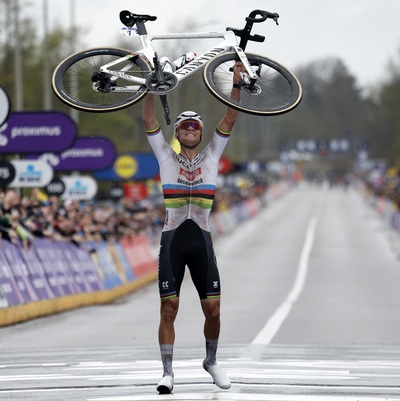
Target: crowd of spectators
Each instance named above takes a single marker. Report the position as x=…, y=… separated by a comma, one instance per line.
x=24, y=218
x=387, y=187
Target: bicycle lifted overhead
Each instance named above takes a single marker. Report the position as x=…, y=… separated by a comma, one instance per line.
x=110, y=79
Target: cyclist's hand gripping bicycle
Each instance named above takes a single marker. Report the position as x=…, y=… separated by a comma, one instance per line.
x=109, y=79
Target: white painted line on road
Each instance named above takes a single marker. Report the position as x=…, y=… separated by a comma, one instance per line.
x=230, y=396
x=273, y=325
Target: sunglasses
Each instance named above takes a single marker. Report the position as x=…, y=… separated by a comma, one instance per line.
x=185, y=125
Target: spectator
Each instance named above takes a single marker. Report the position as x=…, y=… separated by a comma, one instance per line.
x=25, y=218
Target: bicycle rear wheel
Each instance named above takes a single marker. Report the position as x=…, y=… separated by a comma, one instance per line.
x=78, y=82
x=276, y=91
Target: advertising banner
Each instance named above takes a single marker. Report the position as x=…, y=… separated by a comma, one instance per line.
x=138, y=252
x=225, y=165
x=3, y=301
x=56, y=187
x=31, y=173
x=111, y=277
x=88, y=266
x=57, y=276
x=37, y=132
x=8, y=286
x=74, y=266
x=136, y=191
x=116, y=192
x=134, y=166
x=130, y=276
x=81, y=187
x=86, y=154
x=7, y=173
x=36, y=273
x=19, y=271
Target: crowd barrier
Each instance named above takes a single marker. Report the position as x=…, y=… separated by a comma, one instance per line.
x=53, y=276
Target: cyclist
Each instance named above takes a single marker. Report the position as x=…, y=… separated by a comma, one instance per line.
x=188, y=181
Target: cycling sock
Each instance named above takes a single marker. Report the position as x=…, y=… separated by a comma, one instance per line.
x=211, y=352
x=167, y=351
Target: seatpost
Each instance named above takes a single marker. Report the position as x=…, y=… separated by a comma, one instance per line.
x=141, y=27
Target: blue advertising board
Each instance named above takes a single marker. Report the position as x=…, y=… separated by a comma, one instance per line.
x=130, y=166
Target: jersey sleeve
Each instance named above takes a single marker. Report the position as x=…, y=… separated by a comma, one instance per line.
x=158, y=143
x=217, y=144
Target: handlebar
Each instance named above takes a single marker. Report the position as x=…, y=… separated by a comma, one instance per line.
x=255, y=16
x=263, y=16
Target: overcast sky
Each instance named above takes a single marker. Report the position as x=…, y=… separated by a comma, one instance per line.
x=365, y=34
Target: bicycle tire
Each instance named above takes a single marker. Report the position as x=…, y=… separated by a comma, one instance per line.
x=277, y=89
x=73, y=80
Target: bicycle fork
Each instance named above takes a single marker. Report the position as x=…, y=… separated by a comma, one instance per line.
x=245, y=62
x=248, y=80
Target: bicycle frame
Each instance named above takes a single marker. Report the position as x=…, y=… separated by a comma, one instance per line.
x=228, y=43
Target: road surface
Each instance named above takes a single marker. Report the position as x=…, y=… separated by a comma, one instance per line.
x=310, y=311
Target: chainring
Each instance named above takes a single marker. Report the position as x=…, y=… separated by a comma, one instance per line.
x=169, y=83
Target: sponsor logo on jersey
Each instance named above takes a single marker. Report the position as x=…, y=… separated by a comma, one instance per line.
x=190, y=175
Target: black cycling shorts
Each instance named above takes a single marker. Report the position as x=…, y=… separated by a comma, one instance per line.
x=187, y=245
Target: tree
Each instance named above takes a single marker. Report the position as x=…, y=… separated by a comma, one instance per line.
x=387, y=110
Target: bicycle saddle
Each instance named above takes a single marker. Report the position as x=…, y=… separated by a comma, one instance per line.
x=129, y=19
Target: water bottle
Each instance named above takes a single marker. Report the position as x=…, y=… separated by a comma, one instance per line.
x=165, y=64
x=184, y=59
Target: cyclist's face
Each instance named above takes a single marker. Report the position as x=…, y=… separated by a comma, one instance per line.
x=189, y=132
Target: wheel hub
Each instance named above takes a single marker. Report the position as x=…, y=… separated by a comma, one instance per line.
x=102, y=82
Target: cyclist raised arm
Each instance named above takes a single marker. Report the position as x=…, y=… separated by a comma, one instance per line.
x=229, y=119
x=226, y=124
x=189, y=183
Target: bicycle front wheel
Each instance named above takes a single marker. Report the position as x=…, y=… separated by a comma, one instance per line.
x=276, y=90
x=78, y=82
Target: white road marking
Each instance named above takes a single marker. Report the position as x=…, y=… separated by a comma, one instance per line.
x=273, y=325
x=270, y=380
x=229, y=396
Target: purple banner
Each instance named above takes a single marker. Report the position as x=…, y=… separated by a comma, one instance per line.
x=19, y=271
x=58, y=277
x=89, y=267
x=85, y=264
x=8, y=286
x=86, y=154
x=37, y=133
x=74, y=266
x=36, y=273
